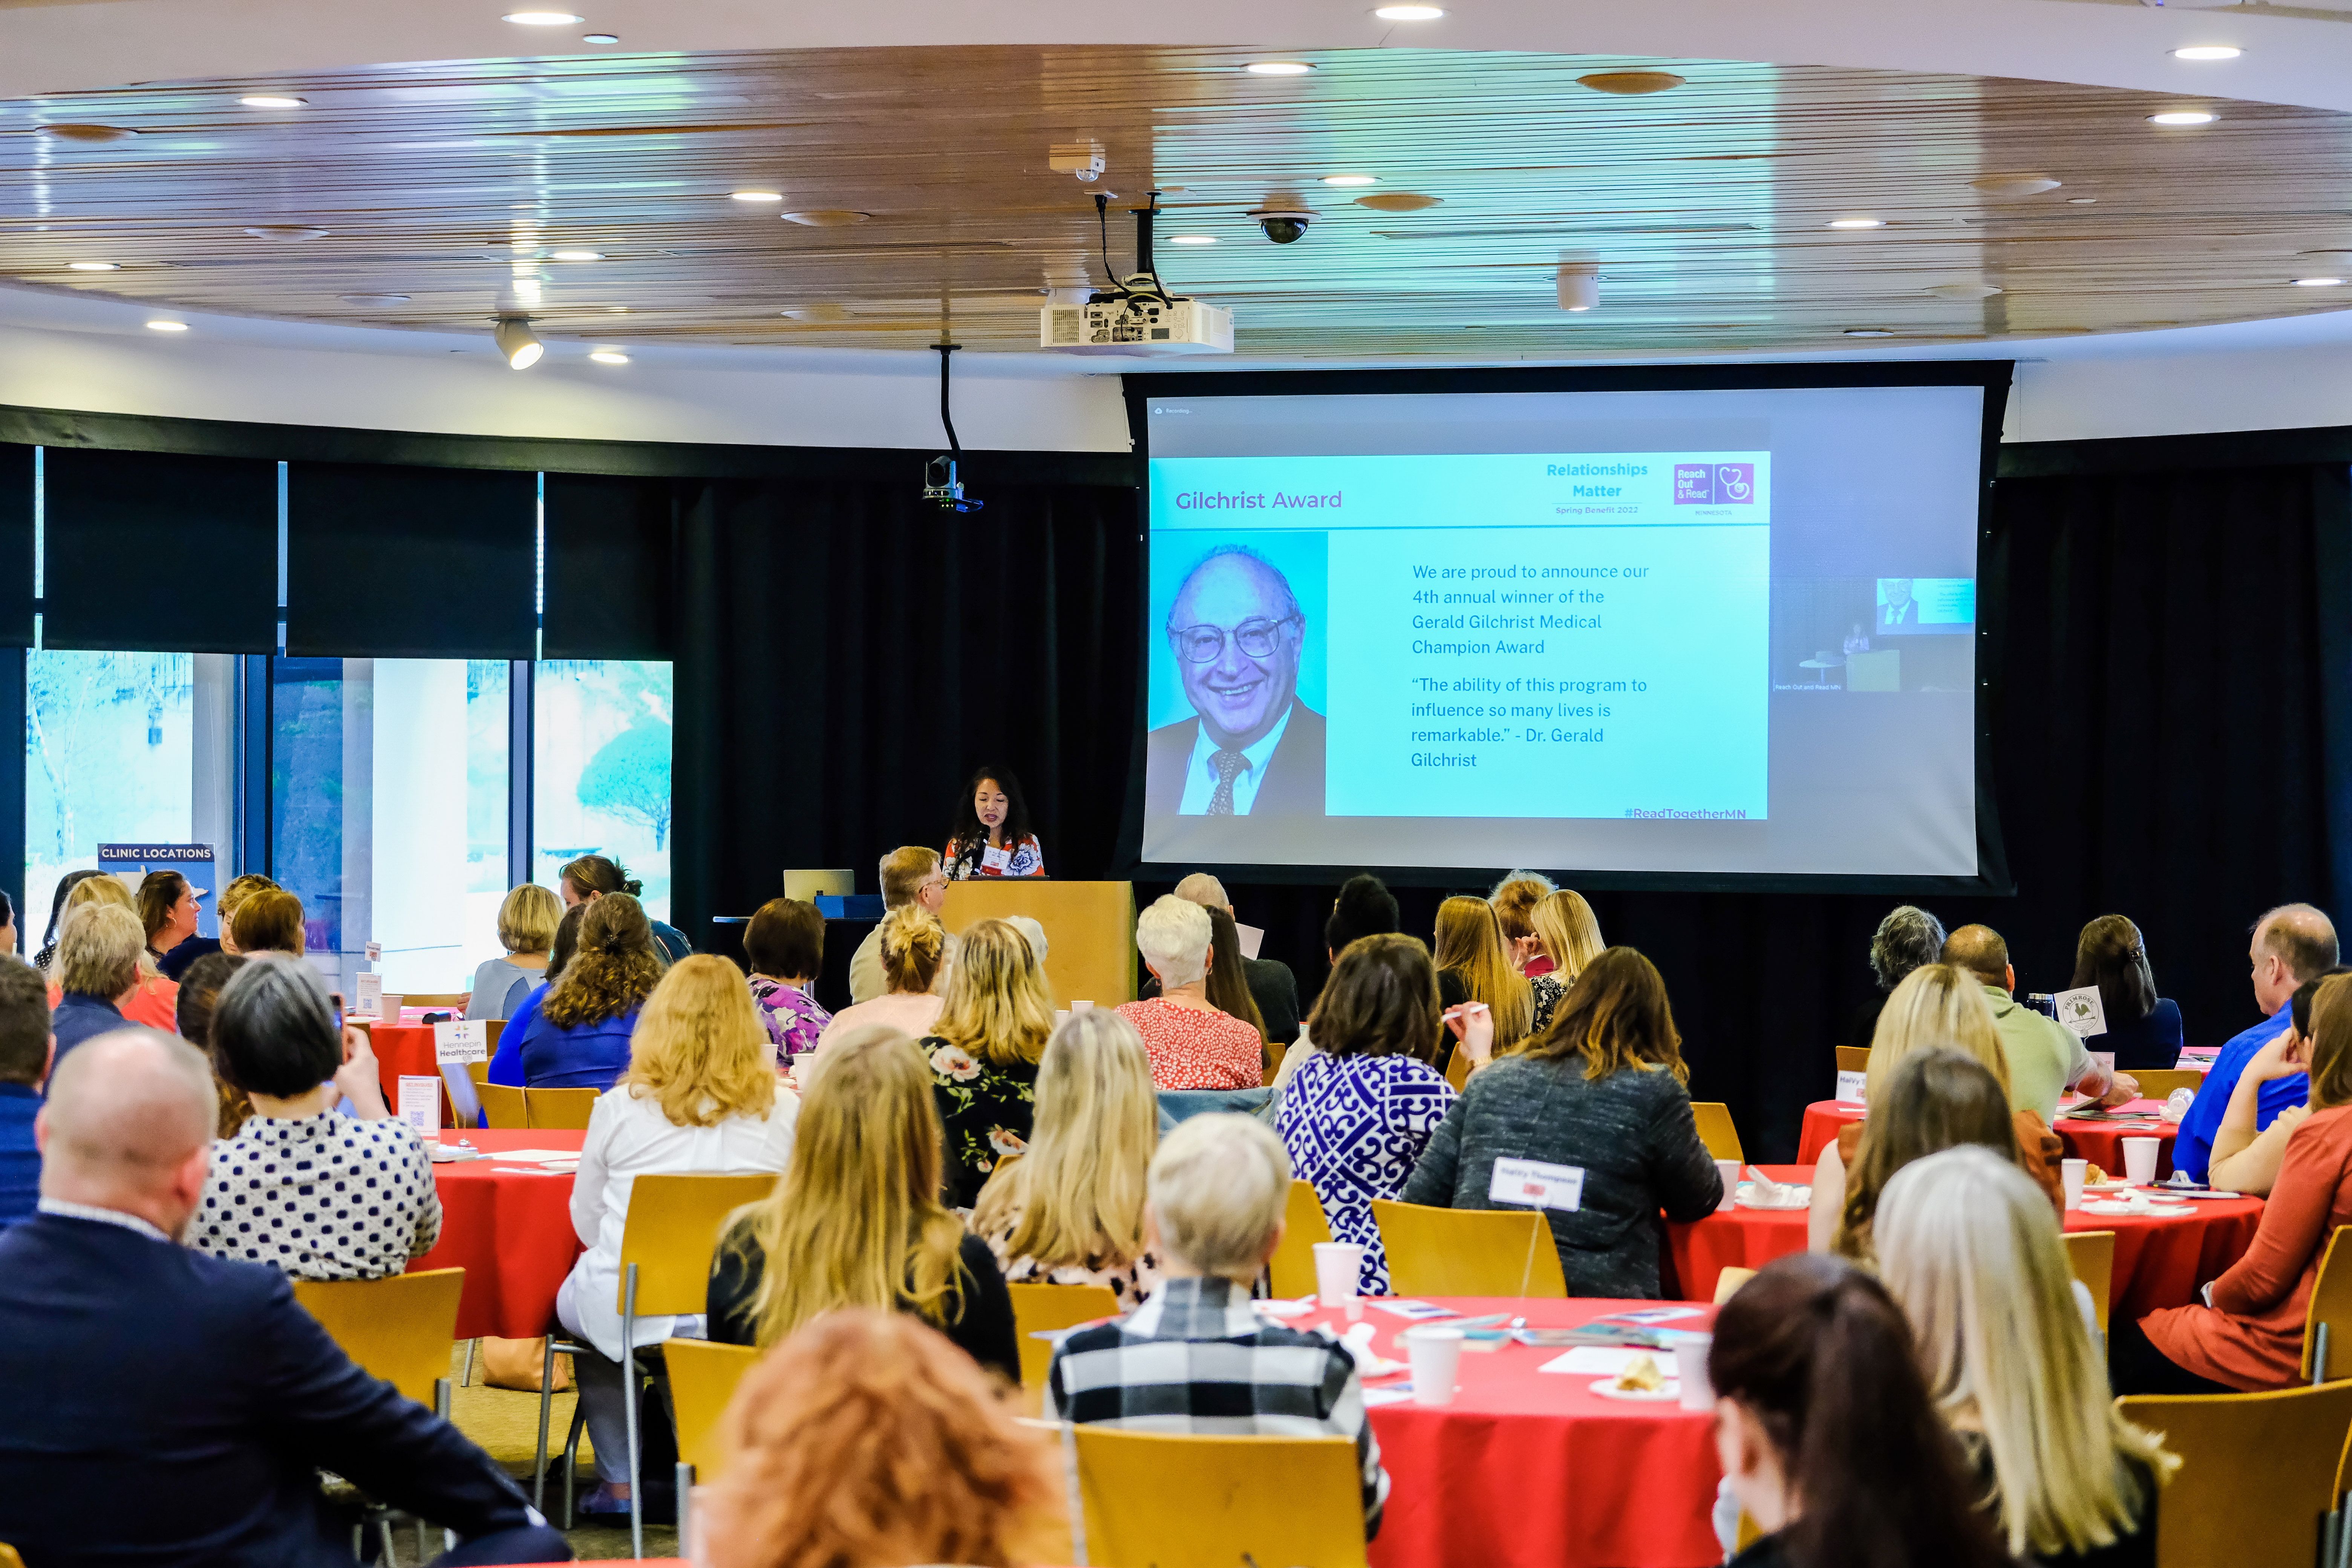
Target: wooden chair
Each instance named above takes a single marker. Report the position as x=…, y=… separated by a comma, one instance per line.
x=1728, y=1283
x=568, y=1109
x=8, y=1558
x=1468, y=1252
x=1150, y=1501
x=1853, y=1058
x=457, y=999
x=1291, y=1270
x=2157, y=1083
x=503, y=1106
x=2283, y=1448
x=2335, y=1531
x=1041, y=1309
x=2092, y=1254
x=702, y=1379
x=665, y=1249
x=2329, y=1318
x=1270, y=1061
x=1715, y=1130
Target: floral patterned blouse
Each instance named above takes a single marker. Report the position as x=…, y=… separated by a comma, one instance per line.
x=987, y=1110
x=1548, y=990
x=1130, y=1283
x=1026, y=860
x=792, y=1017
x=1355, y=1126
x=1194, y=1049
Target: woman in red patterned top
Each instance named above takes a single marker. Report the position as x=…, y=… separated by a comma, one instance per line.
x=1191, y=1044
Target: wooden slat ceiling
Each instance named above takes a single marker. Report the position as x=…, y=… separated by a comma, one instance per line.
x=1706, y=206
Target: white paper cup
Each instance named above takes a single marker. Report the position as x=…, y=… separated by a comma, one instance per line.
x=1690, y=1366
x=1436, y=1357
x=1730, y=1171
x=1337, y=1264
x=2072, y=1174
x=1081, y=1007
x=388, y=1007
x=2139, y=1160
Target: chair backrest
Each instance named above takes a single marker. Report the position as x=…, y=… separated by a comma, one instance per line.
x=1041, y=1309
x=503, y=1106
x=8, y=1558
x=671, y=1232
x=2157, y=1083
x=702, y=1379
x=2281, y=1449
x=2331, y=1303
x=398, y=1328
x=2093, y=1255
x=479, y=1073
x=1729, y=1281
x=560, y=1108
x=1468, y=1252
x=1291, y=1270
x=1715, y=1130
x=1152, y=1500
x=1853, y=1058
x=1271, y=1057
x=434, y=999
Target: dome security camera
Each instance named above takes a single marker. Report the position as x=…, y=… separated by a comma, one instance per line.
x=1284, y=226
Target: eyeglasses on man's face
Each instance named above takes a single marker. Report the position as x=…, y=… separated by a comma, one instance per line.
x=1256, y=637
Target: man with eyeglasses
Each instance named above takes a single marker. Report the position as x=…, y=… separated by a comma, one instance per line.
x=1252, y=748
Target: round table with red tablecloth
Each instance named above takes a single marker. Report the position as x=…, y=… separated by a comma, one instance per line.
x=2161, y=1260
x=2099, y=1141
x=509, y=1227
x=1824, y=1120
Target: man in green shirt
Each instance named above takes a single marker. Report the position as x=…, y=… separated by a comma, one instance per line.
x=2045, y=1060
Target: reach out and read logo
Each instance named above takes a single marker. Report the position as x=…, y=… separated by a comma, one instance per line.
x=1714, y=484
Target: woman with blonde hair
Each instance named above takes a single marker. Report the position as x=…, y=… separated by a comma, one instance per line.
x=1571, y=937
x=868, y=1442
x=1070, y=1212
x=983, y=1051
x=1937, y=1100
x=1474, y=964
x=857, y=1220
x=580, y=1037
x=914, y=949
x=528, y=917
x=1969, y=1251
x=1937, y=1004
x=98, y=983
x=1514, y=899
x=698, y=1097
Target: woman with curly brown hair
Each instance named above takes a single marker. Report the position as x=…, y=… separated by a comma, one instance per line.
x=824, y=1435
x=580, y=1037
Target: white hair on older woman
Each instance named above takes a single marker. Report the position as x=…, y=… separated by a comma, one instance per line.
x=1173, y=935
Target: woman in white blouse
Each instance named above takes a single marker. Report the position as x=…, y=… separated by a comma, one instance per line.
x=700, y=1096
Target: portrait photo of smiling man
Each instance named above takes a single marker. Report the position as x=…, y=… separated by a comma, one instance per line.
x=1233, y=638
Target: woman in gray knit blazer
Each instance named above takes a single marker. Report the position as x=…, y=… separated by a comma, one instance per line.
x=1599, y=1091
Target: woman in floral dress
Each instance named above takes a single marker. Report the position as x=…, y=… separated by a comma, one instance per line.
x=984, y=1053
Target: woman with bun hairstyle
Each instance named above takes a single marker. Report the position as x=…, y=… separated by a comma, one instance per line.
x=914, y=958
x=593, y=877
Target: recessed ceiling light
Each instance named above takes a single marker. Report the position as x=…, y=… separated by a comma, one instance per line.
x=72, y=133
x=827, y=218
x=1858, y=223
x=1409, y=13
x=2320, y=282
x=1278, y=68
x=288, y=231
x=272, y=100
x=160, y=326
x=1399, y=202
x=373, y=299
x=1630, y=84
x=2182, y=117
x=2082, y=201
x=600, y=37
x=1870, y=331
x=543, y=18
x=2207, y=52
x=609, y=356
x=576, y=255
x=1193, y=239
x=93, y=266
x=757, y=195
x=1351, y=180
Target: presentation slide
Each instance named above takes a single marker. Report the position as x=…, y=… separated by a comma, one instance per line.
x=1681, y=632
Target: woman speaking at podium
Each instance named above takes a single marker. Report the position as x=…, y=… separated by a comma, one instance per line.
x=991, y=831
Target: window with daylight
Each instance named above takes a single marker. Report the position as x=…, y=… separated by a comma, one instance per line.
x=600, y=769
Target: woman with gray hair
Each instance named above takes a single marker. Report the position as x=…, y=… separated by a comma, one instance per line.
x=96, y=974
x=303, y=1187
x=1192, y=1043
x=1905, y=940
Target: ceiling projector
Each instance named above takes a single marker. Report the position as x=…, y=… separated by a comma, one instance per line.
x=1138, y=316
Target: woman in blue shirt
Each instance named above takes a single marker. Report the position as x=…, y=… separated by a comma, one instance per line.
x=580, y=1037
x=2143, y=1028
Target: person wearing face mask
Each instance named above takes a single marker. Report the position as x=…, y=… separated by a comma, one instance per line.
x=992, y=836
x=1250, y=748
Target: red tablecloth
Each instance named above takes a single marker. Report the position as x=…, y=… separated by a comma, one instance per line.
x=2161, y=1260
x=510, y=1231
x=406, y=1049
x=2098, y=1142
x=1824, y=1118
x=1528, y=1470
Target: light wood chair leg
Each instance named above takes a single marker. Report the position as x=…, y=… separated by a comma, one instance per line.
x=685, y=1483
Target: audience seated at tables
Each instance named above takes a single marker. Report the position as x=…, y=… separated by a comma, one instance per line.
x=187, y=1402
x=2045, y=1060
x=528, y=917
x=200, y=989
x=1070, y=1211
x=785, y=941
x=911, y=878
x=983, y=1051
x=699, y=1097
x=226, y=903
x=1972, y=1253
x=2143, y=1028
x=1197, y=1358
x=2251, y=1336
x=1355, y=1119
x=1474, y=964
x=57, y=897
x=270, y=919
x=2243, y=1160
x=301, y=1186
x=1937, y=1099
x=868, y=1441
x=1826, y=1433
x=1514, y=900
x=1193, y=1043
x=1907, y=939
x=1601, y=1089
x=1272, y=986
x=2293, y=946
x=24, y=1051
x=95, y=982
x=593, y=877
x=580, y=1038
x=168, y=908
x=1568, y=938
x=857, y=1220
x=911, y=949
x=506, y=1062
x=1935, y=1006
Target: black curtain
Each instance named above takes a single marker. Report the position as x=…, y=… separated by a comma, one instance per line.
x=198, y=535
x=387, y=561
x=847, y=654
x=609, y=567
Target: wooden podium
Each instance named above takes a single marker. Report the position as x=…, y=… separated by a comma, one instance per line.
x=1089, y=930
